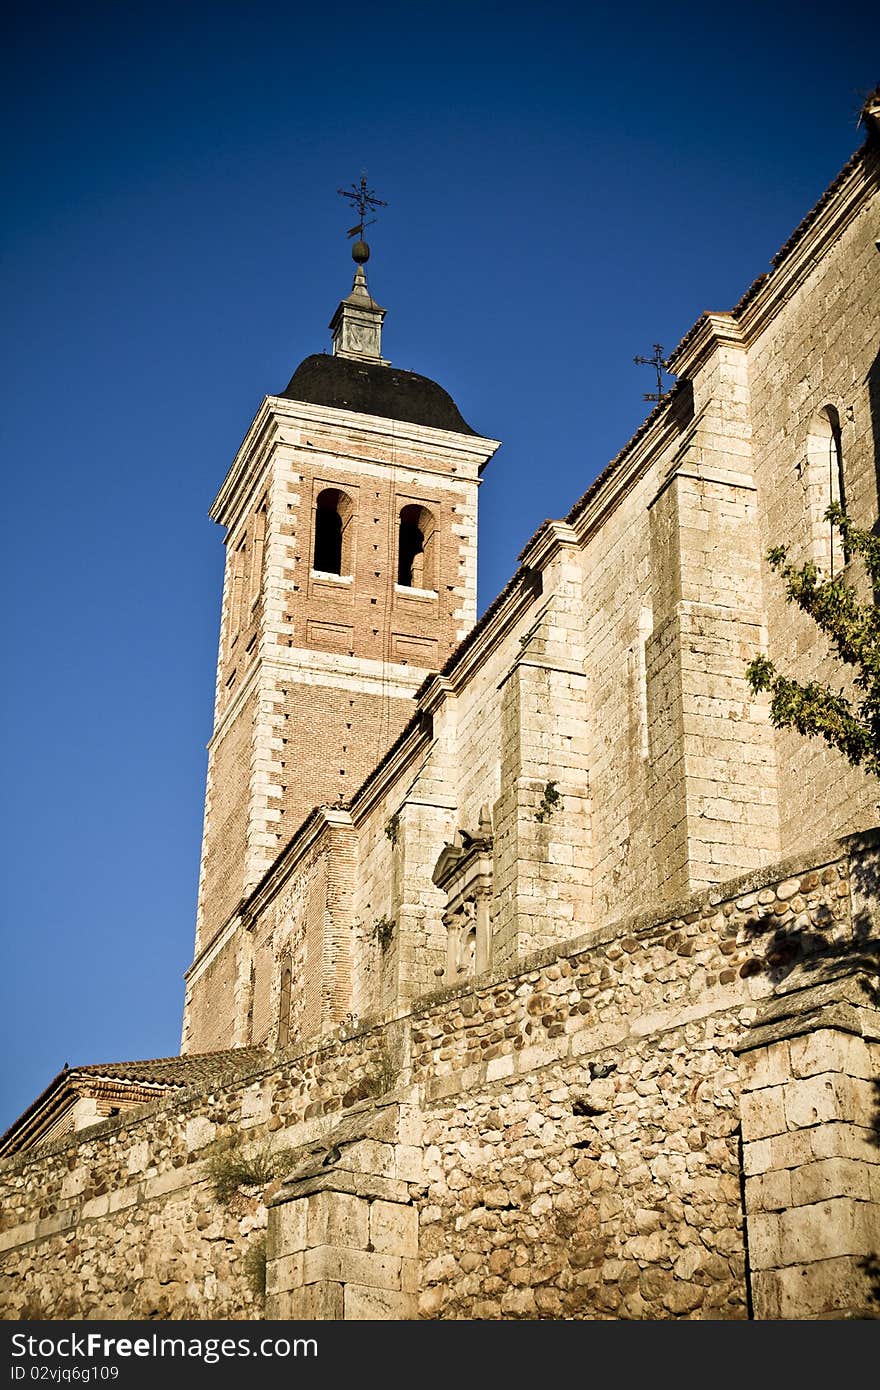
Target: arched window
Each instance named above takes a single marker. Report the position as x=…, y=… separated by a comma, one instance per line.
x=823, y=480
x=333, y=532
x=416, y=559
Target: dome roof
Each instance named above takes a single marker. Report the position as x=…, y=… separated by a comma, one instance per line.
x=370, y=388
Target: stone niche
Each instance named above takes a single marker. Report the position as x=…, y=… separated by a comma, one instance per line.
x=464, y=873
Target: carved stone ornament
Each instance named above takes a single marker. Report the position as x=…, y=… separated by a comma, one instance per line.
x=464, y=872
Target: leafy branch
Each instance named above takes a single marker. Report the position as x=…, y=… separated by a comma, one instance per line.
x=852, y=725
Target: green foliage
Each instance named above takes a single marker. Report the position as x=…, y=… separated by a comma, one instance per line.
x=230, y=1171
x=549, y=801
x=254, y=1265
x=851, y=725
x=392, y=827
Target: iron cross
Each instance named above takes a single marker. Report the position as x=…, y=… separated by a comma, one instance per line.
x=365, y=200
x=656, y=361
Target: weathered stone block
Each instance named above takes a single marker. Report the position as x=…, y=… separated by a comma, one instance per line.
x=765, y=1066
x=338, y=1218
x=826, y=1288
x=763, y=1113
x=371, y=1156
x=407, y=1163
x=49, y=1225
x=830, y=1177
x=839, y=1226
x=313, y=1302
x=394, y=1229
x=138, y=1158
x=409, y=1275
x=828, y=1096
x=288, y=1224
x=764, y=1240
x=166, y=1182
x=331, y=1263
x=99, y=1206
x=770, y=1191
x=284, y=1274
x=199, y=1132
x=757, y=1157
x=366, y=1303
x=122, y=1197
x=831, y=1051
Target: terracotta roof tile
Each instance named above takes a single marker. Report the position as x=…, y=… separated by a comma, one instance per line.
x=193, y=1069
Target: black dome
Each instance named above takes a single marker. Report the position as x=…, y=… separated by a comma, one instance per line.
x=371, y=389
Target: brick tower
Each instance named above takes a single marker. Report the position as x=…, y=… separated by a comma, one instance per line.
x=351, y=536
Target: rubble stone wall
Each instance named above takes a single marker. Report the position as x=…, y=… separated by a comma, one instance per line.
x=571, y=1147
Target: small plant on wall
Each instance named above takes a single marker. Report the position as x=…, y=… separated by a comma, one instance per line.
x=383, y=931
x=549, y=802
x=254, y=1268
x=392, y=828
x=231, y=1172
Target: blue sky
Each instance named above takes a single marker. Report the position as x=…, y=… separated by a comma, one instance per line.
x=567, y=184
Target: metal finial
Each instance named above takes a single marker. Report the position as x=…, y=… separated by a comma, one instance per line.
x=364, y=200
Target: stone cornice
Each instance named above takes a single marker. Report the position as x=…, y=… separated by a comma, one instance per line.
x=435, y=690
x=303, y=412
x=319, y=820
x=248, y=461
x=368, y=466
x=398, y=760
x=796, y=264
x=547, y=542
x=212, y=948
x=512, y=602
x=264, y=433
x=596, y=507
x=709, y=333
x=739, y=482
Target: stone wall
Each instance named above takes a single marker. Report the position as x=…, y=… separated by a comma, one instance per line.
x=564, y=1140
x=600, y=1188
x=818, y=349
x=609, y=674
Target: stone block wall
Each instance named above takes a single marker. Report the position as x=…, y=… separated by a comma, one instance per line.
x=818, y=349
x=345, y=1246
x=811, y=1135
x=611, y=671
x=566, y=1136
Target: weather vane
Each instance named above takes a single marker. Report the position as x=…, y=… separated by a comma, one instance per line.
x=657, y=361
x=364, y=200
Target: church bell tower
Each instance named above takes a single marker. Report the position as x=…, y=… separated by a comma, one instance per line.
x=350, y=513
